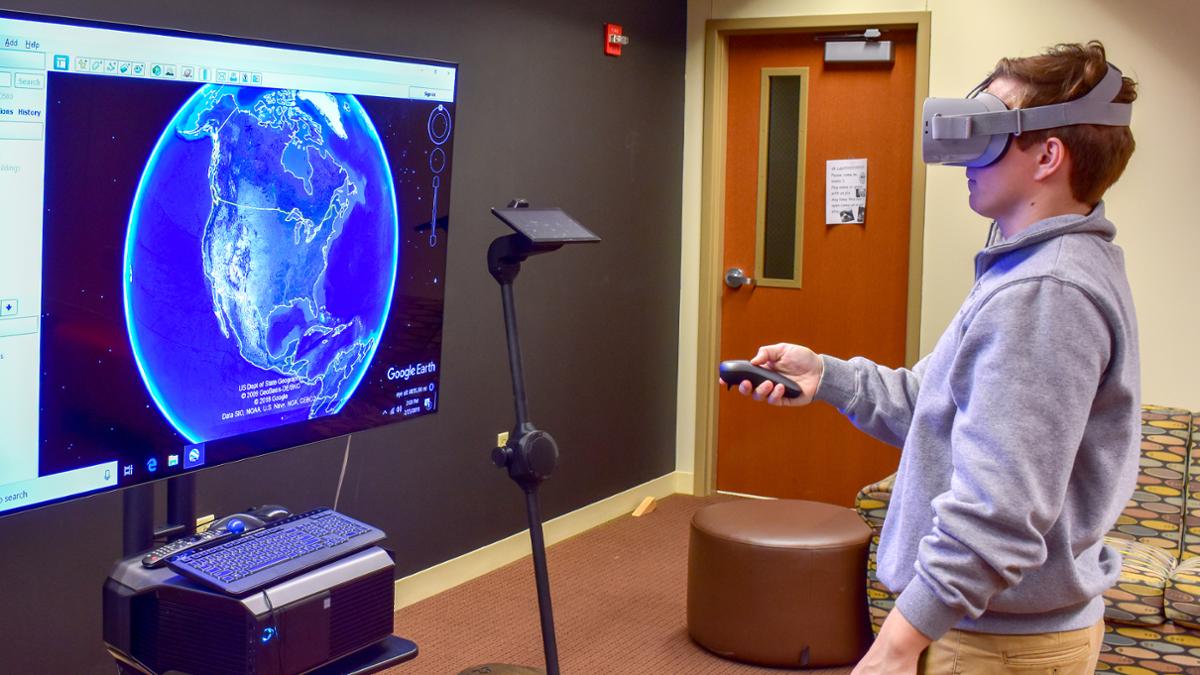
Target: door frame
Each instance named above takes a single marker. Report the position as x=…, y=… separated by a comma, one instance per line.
x=712, y=199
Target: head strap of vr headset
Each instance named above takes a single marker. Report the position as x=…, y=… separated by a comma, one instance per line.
x=1095, y=107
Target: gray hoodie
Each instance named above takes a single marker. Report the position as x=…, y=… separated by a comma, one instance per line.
x=1020, y=436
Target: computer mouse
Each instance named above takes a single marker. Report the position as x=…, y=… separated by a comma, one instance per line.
x=268, y=512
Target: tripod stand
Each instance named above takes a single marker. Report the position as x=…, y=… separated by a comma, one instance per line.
x=530, y=455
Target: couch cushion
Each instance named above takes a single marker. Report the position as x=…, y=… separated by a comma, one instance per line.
x=880, y=600
x=1155, y=512
x=1137, y=597
x=872, y=501
x=1191, y=532
x=1183, y=594
x=1146, y=650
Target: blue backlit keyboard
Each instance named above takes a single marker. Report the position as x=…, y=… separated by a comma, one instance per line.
x=279, y=550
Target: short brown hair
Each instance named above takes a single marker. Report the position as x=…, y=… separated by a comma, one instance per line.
x=1063, y=73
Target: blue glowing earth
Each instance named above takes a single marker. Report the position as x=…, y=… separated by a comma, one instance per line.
x=260, y=259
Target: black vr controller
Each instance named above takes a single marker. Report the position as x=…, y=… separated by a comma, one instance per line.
x=734, y=373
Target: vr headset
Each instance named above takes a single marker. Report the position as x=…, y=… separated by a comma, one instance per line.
x=976, y=131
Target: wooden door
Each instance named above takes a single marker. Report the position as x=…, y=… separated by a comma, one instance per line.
x=849, y=293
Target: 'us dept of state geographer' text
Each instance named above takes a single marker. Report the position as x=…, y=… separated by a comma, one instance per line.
x=267, y=396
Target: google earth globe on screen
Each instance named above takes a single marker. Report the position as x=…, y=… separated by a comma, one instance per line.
x=260, y=259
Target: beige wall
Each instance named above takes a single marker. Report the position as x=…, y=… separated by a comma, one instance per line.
x=1156, y=220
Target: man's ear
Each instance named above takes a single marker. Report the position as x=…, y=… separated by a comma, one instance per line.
x=1052, y=158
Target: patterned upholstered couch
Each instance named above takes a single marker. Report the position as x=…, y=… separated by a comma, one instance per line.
x=1153, y=613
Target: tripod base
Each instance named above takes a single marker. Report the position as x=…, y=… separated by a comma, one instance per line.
x=502, y=669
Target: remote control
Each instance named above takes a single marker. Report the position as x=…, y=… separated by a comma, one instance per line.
x=158, y=557
x=734, y=372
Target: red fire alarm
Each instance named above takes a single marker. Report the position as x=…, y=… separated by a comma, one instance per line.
x=614, y=39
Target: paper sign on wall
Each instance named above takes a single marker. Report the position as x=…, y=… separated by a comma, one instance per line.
x=845, y=191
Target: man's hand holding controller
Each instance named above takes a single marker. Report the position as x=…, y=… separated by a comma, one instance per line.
x=800, y=364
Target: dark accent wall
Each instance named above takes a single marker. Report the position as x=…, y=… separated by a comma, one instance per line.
x=542, y=114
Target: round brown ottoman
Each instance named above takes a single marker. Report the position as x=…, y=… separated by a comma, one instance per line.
x=779, y=582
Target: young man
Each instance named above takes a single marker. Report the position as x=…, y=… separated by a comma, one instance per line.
x=1020, y=430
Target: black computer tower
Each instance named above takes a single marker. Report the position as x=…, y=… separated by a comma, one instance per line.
x=161, y=622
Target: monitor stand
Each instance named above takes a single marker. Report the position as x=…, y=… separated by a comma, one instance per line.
x=139, y=530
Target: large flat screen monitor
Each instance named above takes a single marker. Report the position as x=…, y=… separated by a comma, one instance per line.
x=210, y=249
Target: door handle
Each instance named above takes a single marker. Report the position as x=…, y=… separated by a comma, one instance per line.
x=735, y=278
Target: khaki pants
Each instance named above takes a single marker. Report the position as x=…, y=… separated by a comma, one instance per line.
x=1067, y=653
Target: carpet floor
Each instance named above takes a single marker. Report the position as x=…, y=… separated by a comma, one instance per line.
x=619, y=593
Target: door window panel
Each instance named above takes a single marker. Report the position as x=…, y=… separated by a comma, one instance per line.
x=782, y=129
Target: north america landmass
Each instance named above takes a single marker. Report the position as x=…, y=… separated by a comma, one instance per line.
x=280, y=198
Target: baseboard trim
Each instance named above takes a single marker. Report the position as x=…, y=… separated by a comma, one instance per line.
x=447, y=575
x=684, y=482
x=730, y=493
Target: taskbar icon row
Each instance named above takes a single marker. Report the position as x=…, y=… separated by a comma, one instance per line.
x=192, y=457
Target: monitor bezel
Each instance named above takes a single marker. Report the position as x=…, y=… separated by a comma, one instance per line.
x=222, y=37
x=58, y=19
